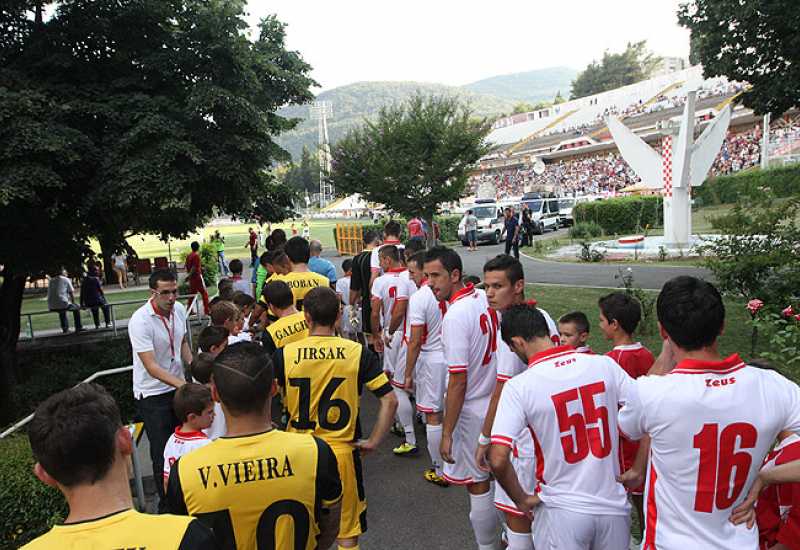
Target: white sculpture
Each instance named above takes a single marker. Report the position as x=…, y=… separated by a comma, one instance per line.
x=682, y=164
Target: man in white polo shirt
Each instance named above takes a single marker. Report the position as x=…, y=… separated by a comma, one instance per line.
x=157, y=331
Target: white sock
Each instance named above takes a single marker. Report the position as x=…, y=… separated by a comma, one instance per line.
x=406, y=415
x=434, y=434
x=519, y=541
x=484, y=521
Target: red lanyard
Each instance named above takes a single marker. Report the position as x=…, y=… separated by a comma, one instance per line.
x=170, y=333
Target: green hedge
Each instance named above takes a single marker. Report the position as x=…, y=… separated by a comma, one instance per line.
x=622, y=215
x=28, y=507
x=47, y=373
x=782, y=182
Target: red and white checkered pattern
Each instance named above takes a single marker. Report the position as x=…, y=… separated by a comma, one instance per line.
x=666, y=160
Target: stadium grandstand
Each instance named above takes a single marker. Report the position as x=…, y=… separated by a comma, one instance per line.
x=580, y=157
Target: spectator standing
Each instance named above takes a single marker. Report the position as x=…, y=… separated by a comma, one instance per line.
x=194, y=274
x=61, y=299
x=219, y=244
x=120, y=265
x=92, y=296
x=511, y=230
x=471, y=230
x=252, y=243
x=320, y=265
x=527, y=226
x=306, y=230
x=157, y=331
x=416, y=231
x=240, y=284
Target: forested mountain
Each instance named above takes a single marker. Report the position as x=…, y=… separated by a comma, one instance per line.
x=353, y=102
x=530, y=86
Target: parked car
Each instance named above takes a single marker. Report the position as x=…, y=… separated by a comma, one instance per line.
x=544, y=212
x=490, y=222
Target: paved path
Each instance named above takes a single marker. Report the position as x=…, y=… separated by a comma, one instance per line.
x=566, y=273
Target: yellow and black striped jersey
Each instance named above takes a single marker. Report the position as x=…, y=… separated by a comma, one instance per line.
x=322, y=378
x=301, y=282
x=260, y=491
x=286, y=329
x=128, y=529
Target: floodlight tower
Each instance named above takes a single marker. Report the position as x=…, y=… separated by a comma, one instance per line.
x=320, y=111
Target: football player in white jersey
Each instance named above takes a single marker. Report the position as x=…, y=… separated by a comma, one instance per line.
x=390, y=294
x=504, y=281
x=569, y=402
x=469, y=338
x=426, y=370
x=711, y=421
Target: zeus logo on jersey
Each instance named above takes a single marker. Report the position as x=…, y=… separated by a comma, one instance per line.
x=235, y=473
x=308, y=354
x=717, y=383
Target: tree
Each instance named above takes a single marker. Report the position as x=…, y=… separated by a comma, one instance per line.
x=559, y=98
x=144, y=116
x=414, y=157
x=635, y=64
x=749, y=41
x=523, y=107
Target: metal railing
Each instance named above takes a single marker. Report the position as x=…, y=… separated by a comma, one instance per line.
x=191, y=310
x=137, y=470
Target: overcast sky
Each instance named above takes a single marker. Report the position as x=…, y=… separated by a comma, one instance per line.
x=459, y=41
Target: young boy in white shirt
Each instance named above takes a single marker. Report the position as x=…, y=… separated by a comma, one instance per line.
x=195, y=409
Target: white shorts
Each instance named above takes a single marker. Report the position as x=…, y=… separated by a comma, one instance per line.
x=465, y=441
x=399, y=377
x=558, y=528
x=430, y=381
x=391, y=354
x=525, y=467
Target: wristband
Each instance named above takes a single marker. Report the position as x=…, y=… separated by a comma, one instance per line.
x=483, y=440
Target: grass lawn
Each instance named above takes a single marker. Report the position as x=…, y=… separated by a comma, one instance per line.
x=558, y=300
x=50, y=320
x=236, y=237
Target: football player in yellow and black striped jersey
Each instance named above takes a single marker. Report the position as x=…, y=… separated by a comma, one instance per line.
x=82, y=448
x=322, y=377
x=300, y=279
x=290, y=325
x=257, y=487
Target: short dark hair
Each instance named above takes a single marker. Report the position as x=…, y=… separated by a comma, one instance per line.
x=236, y=266
x=242, y=299
x=525, y=321
x=418, y=258
x=212, y=336
x=413, y=246
x=691, y=311
x=200, y=369
x=297, y=249
x=392, y=227
x=73, y=434
x=322, y=305
x=265, y=258
x=243, y=376
x=347, y=265
x=370, y=236
x=191, y=398
x=195, y=246
x=222, y=311
x=577, y=318
x=278, y=294
x=390, y=251
x=447, y=256
x=274, y=256
x=469, y=211
x=472, y=280
x=278, y=237
x=623, y=308
x=510, y=265
x=161, y=275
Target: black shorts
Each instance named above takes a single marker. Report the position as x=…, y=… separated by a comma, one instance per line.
x=366, y=316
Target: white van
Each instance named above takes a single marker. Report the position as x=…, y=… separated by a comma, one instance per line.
x=566, y=204
x=490, y=222
x=544, y=212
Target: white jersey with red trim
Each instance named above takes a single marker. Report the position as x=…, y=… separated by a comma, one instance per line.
x=469, y=338
x=425, y=311
x=181, y=443
x=711, y=425
x=569, y=402
x=375, y=258
x=509, y=365
x=389, y=288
